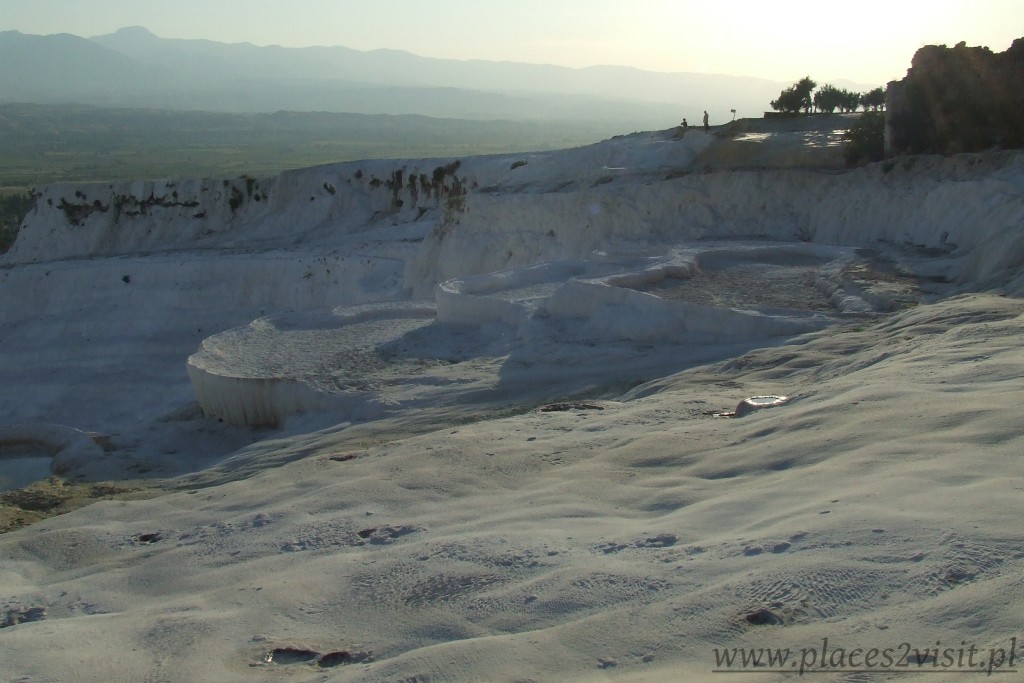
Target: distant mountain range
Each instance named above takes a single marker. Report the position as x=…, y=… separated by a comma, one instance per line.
x=134, y=68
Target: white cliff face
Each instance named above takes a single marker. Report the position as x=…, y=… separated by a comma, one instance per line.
x=554, y=239
x=964, y=206
x=244, y=213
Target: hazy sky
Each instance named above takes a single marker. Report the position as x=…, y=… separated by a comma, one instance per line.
x=867, y=41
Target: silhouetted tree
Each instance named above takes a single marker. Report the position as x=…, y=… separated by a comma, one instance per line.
x=828, y=98
x=875, y=99
x=849, y=101
x=796, y=97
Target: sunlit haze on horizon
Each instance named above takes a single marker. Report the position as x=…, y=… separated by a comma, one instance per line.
x=868, y=41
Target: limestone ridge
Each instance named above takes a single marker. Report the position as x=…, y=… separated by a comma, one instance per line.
x=77, y=221
x=484, y=215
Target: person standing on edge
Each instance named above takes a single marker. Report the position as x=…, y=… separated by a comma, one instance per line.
x=707, y=128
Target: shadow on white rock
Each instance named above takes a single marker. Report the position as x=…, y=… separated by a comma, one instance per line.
x=34, y=451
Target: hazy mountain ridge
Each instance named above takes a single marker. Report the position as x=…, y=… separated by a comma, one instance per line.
x=47, y=65
x=134, y=68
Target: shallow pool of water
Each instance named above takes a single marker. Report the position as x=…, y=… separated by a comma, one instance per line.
x=22, y=465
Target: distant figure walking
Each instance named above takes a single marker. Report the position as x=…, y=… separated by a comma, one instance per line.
x=707, y=128
x=685, y=125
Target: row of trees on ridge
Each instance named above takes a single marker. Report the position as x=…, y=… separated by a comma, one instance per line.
x=801, y=96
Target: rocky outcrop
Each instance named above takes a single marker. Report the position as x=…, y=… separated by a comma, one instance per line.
x=960, y=99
